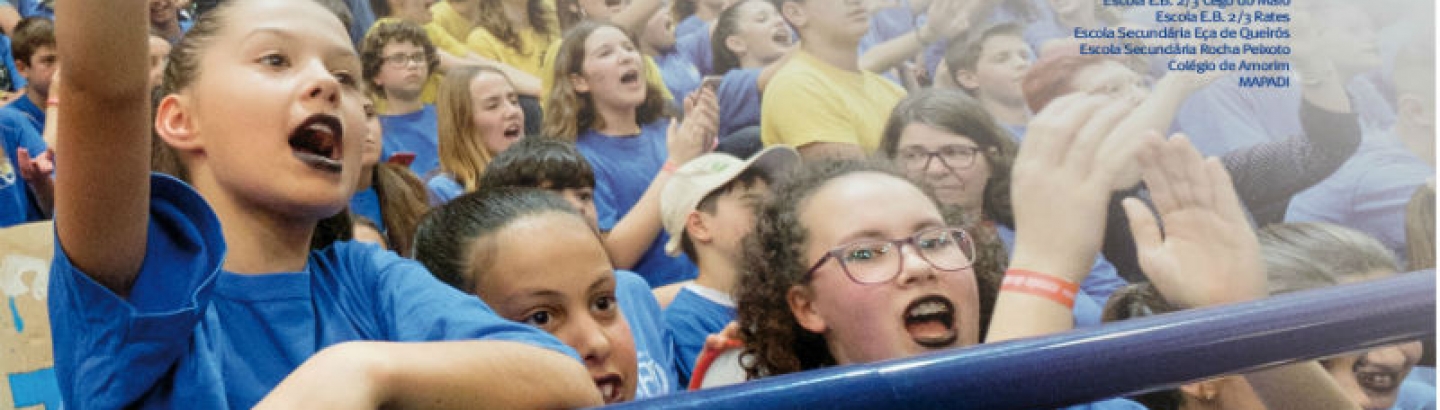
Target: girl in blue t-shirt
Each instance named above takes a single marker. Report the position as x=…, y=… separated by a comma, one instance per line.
x=480, y=116
x=749, y=43
x=388, y=195
x=262, y=115
x=528, y=253
x=601, y=101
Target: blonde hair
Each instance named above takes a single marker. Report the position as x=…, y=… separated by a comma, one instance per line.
x=462, y=151
x=1310, y=255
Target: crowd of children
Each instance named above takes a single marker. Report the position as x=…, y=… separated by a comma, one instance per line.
x=456, y=203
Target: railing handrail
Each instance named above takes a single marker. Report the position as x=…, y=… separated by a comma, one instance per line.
x=1117, y=359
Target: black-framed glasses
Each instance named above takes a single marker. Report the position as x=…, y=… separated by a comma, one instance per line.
x=399, y=60
x=954, y=156
x=870, y=262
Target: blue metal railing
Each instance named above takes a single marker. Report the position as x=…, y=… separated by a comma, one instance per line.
x=1114, y=360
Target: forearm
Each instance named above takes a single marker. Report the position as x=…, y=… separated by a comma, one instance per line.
x=628, y=240
x=103, y=150
x=889, y=54
x=1273, y=172
x=1303, y=385
x=442, y=375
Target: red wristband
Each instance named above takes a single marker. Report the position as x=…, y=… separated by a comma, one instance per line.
x=1037, y=284
x=669, y=167
x=52, y=102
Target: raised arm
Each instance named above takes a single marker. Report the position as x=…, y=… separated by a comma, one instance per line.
x=947, y=20
x=1209, y=255
x=103, y=148
x=1060, y=189
x=632, y=234
x=635, y=15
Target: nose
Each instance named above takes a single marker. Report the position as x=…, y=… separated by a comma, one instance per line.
x=323, y=90
x=589, y=339
x=913, y=267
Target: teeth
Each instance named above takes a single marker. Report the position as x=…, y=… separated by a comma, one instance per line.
x=607, y=389
x=928, y=308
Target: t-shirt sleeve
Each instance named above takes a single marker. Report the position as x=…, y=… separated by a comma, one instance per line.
x=797, y=112
x=739, y=97
x=416, y=307
x=111, y=351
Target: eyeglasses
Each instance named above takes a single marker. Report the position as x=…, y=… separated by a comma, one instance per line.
x=953, y=157
x=870, y=262
x=400, y=60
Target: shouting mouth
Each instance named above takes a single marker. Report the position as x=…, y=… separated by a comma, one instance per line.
x=611, y=388
x=317, y=141
x=930, y=321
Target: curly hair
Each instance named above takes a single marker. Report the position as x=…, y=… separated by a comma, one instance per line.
x=774, y=263
x=391, y=32
x=958, y=113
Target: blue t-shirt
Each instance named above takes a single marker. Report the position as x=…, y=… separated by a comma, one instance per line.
x=691, y=318
x=34, y=8
x=30, y=111
x=443, y=189
x=654, y=348
x=679, y=74
x=739, y=98
x=1368, y=193
x=1415, y=394
x=194, y=336
x=416, y=132
x=695, y=48
x=692, y=24
x=367, y=204
x=1094, y=291
x=17, y=205
x=624, y=168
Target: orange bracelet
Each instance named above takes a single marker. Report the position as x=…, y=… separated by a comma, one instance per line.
x=1037, y=284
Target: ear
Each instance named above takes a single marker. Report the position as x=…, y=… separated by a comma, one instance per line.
x=697, y=229
x=23, y=68
x=736, y=45
x=579, y=84
x=802, y=307
x=967, y=79
x=174, y=125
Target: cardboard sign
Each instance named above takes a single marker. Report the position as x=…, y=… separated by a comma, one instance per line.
x=27, y=373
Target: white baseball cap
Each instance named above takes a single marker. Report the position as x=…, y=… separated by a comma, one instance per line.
x=706, y=173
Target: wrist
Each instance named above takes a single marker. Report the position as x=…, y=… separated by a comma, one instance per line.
x=1057, y=289
x=923, y=37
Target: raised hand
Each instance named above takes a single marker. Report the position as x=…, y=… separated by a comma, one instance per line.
x=696, y=134
x=1207, y=253
x=1061, y=183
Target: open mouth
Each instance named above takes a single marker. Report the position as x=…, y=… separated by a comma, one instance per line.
x=1379, y=381
x=630, y=77
x=611, y=387
x=782, y=37
x=514, y=131
x=931, y=322
x=316, y=142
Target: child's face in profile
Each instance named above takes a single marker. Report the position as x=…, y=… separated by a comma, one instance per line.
x=275, y=115
x=564, y=286
x=734, y=216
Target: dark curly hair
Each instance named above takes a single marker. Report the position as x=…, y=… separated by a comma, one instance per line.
x=955, y=112
x=774, y=262
x=390, y=32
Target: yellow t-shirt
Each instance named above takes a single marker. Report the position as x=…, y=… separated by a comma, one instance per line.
x=529, y=58
x=445, y=17
x=547, y=76
x=812, y=101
